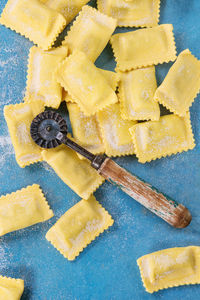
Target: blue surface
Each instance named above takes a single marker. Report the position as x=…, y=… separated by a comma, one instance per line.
x=107, y=268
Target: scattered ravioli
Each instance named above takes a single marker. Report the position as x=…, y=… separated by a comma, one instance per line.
x=34, y=20
x=170, y=267
x=132, y=13
x=136, y=92
x=41, y=84
x=156, y=139
x=19, y=118
x=111, y=77
x=78, y=227
x=85, y=130
x=76, y=173
x=68, y=8
x=23, y=208
x=90, y=32
x=144, y=47
x=181, y=85
x=11, y=288
x=85, y=83
x=115, y=131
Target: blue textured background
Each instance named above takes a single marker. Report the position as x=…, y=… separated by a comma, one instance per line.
x=107, y=268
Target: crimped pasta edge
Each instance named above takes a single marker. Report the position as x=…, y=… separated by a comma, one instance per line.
x=122, y=109
x=131, y=24
x=29, y=162
x=34, y=186
x=25, y=34
x=109, y=151
x=77, y=102
x=156, y=289
x=172, y=56
x=108, y=224
x=189, y=127
x=79, y=16
x=195, y=92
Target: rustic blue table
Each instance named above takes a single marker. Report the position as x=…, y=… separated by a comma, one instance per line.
x=107, y=268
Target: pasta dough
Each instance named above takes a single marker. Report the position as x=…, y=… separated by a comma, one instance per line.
x=136, y=92
x=111, y=77
x=34, y=20
x=80, y=225
x=23, y=208
x=68, y=8
x=181, y=85
x=156, y=139
x=76, y=173
x=90, y=32
x=19, y=118
x=115, y=131
x=11, y=288
x=85, y=83
x=133, y=13
x=85, y=130
x=170, y=267
x=144, y=47
x=41, y=84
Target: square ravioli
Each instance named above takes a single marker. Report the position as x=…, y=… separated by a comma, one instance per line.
x=170, y=268
x=144, y=47
x=68, y=8
x=85, y=83
x=11, y=288
x=34, y=20
x=76, y=173
x=90, y=32
x=85, y=130
x=78, y=227
x=115, y=131
x=111, y=77
x=136, y=92
x=132, y=13
x=19, y=118
x=181, y=85
x=156, y=139
x=23, y=208
x=41, y=84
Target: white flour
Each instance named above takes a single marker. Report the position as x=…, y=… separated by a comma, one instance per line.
x=6, y=149
x=4, y=257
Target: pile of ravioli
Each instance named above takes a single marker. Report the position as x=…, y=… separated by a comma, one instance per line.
x=116, y=113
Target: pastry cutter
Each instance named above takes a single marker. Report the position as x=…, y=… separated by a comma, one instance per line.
x=49, y=130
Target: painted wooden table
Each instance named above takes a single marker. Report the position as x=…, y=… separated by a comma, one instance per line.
x=107, y=268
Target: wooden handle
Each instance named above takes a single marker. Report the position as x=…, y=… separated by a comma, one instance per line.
x=169, y=210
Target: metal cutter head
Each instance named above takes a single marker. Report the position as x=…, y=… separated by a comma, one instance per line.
x=46, y=128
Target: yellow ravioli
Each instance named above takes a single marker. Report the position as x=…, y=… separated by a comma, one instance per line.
x=132, y=13
x=85, y=130
x=23, y=208
x=41, y=84
x=78, y=227
x=136, y=92
x=156, y=139
x=111, y=77
x=19, y=118
x=144, y=47
x=170, y=267
x=90, y=32
x=68, y=8
x=76, y=173
x=115, y=131
x=85, y=83
x=34, y=20
x=181, y=85
x=11, y=288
